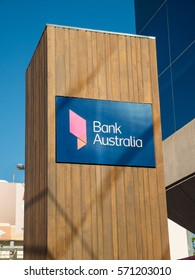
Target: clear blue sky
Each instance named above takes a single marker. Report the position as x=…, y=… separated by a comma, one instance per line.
x=22, y=23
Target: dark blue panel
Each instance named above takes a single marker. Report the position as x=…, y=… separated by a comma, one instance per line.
x=112, y=133
x=184, y=87
x=158, y=28
x=144, y=11
x=166, y=104
x=181, y=16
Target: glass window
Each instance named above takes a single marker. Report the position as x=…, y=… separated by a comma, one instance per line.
x=184, y=87
x=166, y=104
x=144, y=10
x=181, y=15
x=158, y=28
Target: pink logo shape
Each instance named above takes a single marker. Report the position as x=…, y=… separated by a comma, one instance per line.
x=78, y=129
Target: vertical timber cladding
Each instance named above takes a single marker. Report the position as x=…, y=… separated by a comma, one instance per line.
x=91, y=211
x=36, y=169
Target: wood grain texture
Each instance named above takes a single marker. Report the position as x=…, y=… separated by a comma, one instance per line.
x=36, y=168
x=75, y=211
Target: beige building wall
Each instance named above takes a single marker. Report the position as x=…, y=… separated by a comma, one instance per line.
x=11, y=211
x=7, y=202
x=178, y=241
x=179, y=154
x=179, y=166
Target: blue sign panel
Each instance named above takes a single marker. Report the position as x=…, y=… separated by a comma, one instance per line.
x=105, y=132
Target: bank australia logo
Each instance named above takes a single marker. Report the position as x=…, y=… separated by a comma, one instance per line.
x=78, y=128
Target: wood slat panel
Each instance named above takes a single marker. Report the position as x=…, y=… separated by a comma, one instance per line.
x=86, y=213
x=61, y=218
x=36, y=156
x=158, y=150
x=69, y=229
x=92, y=212
x=51, y=88
x=106, y=213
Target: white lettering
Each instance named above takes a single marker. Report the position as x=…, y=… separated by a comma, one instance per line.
x=105, y=128
x=97, y=139
x=139, y=143
x=116, y=141
x=96, y=124
x=98, y=127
